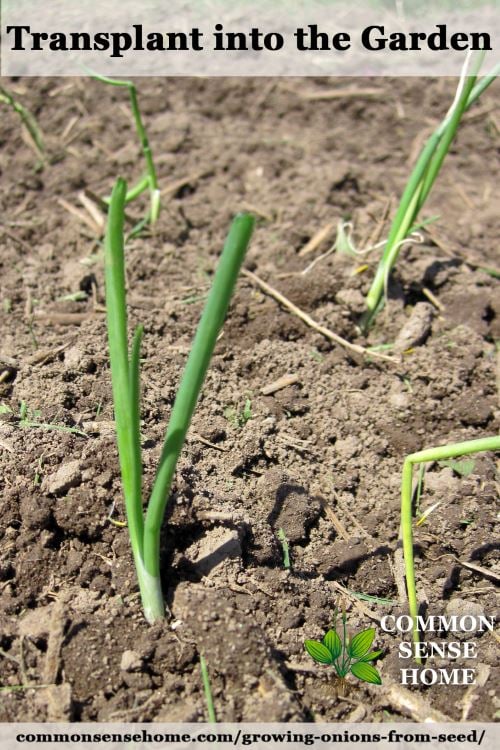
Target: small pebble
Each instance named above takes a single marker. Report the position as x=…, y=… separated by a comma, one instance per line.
x=130, y=661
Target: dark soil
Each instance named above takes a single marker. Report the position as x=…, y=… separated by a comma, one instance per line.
x=328, y=447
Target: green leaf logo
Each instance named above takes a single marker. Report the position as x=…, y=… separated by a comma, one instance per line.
x=366, y=672
x=333, y=643
x=318, y=651
x=347, y=656
x=371, y=656
x=360, y=644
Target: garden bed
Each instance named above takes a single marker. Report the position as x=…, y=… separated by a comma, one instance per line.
x=320, y=458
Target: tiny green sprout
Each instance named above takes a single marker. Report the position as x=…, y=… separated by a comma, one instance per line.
x=191, y=299
x=285, y=547
x=380, y=348
x=247, y=411
x=317, y=356
x=31, y=418
x=422, y=179
x=207, y=689
x=39, y=471
x=239, y=418
x=467, y=521
x=34, y=339
x=73, y=297
x=408, y=384
x=380, y=600
x=144, y=529
x=231, y=415
x=491, y=272
x=347, y=655
x=149, y=180
x=462, y=468
x=23, y=412
x=343, y=242
x=440, y=454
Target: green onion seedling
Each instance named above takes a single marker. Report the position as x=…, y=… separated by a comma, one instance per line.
x=27, y=119
x=443, y=453
x=150, y=179
x=422, y=179
x=145, y=529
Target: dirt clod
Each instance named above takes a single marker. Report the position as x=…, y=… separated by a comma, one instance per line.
x=417, y=327
x=68, y=475
x=131, y=661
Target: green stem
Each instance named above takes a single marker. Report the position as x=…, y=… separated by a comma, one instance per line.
x=139, y=188
x=141, y=132
x=192, y=381
x=431, y=454
x=417, y=191
x=420, y=184
x=483, y=84
x=403, y=220
x=444, y=144
x=398, y=233
x=133, y=192
x=124, y=374
x=345, y=656
x=135, y=413
x=27, y=119
x=407, y=536
x=152, y=179
x=151, y=592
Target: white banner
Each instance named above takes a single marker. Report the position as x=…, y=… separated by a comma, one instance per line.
x=257, y=736
x=242, y=38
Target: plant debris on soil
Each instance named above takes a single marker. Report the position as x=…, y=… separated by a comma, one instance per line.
x=293, y=432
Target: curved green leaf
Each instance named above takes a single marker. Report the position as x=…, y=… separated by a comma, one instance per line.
x=333, y=643
x=366, y=672
x=372, y=655
x=360, y=644
x=318, y=651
